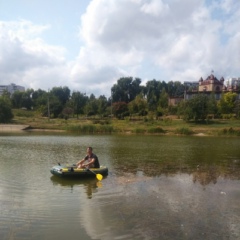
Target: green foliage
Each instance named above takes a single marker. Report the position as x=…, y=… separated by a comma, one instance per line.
x=6, y=96
x=27, y=99
x=139, y=130
x=61, y=93
x=183, y=131
x=102, y=104
x=127, y=98
x=230, y=132
x=175, y=89
x=23, y=113
x=120, y=109
x=138, y=105
x=55, y=107
x=212, y=105
x=163, y=99
x=101, y=122
x=67, y=112
x=89, y=128
x=152, y=92
x=91, y=107
x=77, y=102
x=195, y=109
x=17, y=99
x=237, y=108
x=156, y=130
x=23, y=99
x=227, y=102
x=6, y=114
x=126, y=89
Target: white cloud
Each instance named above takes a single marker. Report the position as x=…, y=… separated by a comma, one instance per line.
x=180, y=39
x=155, y=8
x=25, y=58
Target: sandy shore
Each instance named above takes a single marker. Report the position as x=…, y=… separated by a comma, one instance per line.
x=12, y=127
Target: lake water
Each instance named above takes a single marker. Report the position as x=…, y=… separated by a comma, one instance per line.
x=158, y=187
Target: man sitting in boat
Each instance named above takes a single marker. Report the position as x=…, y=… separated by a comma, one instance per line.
x=89, y=161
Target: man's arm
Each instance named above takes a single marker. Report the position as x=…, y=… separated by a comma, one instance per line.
x=90, y=162
x=81, y=161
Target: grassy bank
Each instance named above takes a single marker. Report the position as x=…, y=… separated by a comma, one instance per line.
x=167, y=125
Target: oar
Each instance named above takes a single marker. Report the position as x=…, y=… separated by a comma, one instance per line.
x=98, y=175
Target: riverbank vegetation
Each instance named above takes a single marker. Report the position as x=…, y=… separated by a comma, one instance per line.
x=129, y=125
x=131, y=108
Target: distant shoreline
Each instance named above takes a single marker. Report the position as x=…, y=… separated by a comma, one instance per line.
x=20, y=127
x=13, y=127
x=163, y=127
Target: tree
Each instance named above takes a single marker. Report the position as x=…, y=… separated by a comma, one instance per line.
x=6, y=96
x=17, y=98
x=195, y=109
x=40, y=98
x=237, y=108
x=67, y=112
x=6, y=114
x=102, y=104
x=91, y=107
x=27, y=99
x=152, y=92
x=162, y=103
x=126, y=89
x=78, y=102
x=62, y=93
x=120, y=109
x=227, y=103
x=212, y=105
x=175, y=89
x=55, y=107
x=22, y=99
x=138, y=105
x=163, y=99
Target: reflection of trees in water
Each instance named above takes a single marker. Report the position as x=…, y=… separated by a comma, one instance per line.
x=204, y=174
x=205, y=177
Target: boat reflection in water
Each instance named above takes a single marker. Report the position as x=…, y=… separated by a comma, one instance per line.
x=90, y=185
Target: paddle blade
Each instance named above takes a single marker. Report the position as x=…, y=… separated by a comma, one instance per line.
x=99, y=177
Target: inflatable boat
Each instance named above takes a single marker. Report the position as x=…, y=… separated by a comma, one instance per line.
x=73, y=171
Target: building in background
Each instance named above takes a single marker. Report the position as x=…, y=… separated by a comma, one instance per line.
x=217, y=87
x=11, y=88
x=233, y=83
x=210, y=86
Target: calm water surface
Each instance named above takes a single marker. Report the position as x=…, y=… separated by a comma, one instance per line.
x=158, y=187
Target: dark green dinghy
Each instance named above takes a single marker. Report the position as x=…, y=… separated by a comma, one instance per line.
x=72, y=171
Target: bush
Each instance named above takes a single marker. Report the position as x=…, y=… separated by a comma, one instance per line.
x=6, y=114
x=23, y=113
x=89, y=128
x=139, y=130
x=101, y=122
x=184, y=131
x=230, y=132
x=156, y=130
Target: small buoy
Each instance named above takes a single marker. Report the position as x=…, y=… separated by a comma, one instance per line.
x=223, y=193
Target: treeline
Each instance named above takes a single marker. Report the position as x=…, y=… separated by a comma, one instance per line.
x=128, y=98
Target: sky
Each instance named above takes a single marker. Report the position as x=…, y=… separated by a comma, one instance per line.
x=88, y=45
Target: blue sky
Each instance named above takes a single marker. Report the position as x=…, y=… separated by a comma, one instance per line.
x=63, y=17
x=89, y=45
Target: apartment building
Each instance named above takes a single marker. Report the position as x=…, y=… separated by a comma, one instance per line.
x=11, y=88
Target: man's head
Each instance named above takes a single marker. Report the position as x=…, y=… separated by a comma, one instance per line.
x=89, y=150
